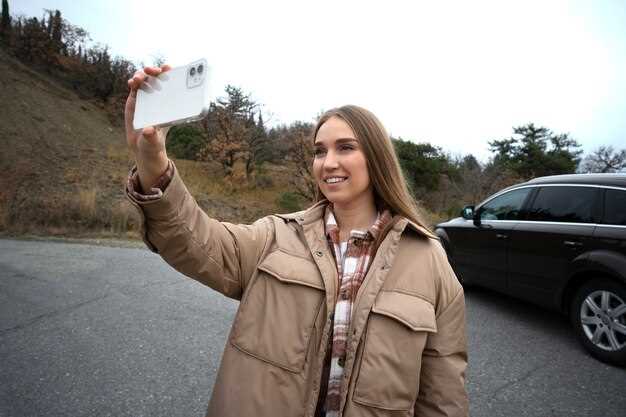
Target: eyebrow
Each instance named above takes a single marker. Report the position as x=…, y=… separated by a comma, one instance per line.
x=340, y=140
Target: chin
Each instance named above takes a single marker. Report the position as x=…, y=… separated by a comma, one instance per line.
x=338, y=200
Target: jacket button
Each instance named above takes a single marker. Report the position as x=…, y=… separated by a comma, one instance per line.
x=319, y=253
x=341, y=361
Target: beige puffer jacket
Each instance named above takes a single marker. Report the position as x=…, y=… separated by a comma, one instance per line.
x=406, y=350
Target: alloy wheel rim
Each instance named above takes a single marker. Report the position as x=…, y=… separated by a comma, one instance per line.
x=603, y=319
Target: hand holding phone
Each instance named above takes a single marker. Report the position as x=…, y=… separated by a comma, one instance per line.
x=148, y=144
x=180, y=95
x=160, y=97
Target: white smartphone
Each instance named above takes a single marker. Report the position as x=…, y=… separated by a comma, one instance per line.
x=180, y=95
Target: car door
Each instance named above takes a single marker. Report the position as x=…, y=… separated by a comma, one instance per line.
x=610, y=235
x=480, y=247
x=556, y=229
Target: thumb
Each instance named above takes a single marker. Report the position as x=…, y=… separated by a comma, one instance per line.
x=150, y=134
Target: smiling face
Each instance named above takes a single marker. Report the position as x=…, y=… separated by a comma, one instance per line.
x=340, y=167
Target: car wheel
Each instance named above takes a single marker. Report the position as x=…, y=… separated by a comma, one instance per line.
x=598, y=314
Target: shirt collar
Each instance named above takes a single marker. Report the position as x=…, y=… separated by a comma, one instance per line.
x=332, y=229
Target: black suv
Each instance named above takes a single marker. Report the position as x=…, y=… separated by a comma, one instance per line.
x=557, y=241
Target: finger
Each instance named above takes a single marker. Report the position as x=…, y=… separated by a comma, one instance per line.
x=129, y=110
x=154, y=71
x=137, y=79
x=131, y=87
x=128, y=124
x=165, y=67
x=149, y=132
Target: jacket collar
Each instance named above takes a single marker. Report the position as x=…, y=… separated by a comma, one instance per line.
x=316, y=213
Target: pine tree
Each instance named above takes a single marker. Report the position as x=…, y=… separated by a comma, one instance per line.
x=49, y=27
x=57, y=31
x=5, y=22
x=260, y=125
x=536, y=151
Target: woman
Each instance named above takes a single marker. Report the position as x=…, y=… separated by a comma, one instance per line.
x=347, y=308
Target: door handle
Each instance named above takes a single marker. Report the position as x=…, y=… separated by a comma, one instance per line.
x=572, y=244
x=501, y=236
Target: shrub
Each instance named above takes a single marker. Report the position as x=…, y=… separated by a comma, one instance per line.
x=264, y=181
x=184, y=142
x=289, y=201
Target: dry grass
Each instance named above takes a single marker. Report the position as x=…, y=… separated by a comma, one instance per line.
x=117, y=153
x=4, y=215
x=124, y=218
x=87, y=204
x=431, y=218
x=202, y=178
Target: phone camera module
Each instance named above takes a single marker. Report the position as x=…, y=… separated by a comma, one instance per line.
x=200, y=68
x=192, y=71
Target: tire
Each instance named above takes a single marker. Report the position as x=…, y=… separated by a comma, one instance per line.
x=598, y=315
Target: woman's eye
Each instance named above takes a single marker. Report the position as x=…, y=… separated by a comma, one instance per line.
x=345, y=147
x=319, y=151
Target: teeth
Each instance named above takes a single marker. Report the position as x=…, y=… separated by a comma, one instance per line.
x=334, y=180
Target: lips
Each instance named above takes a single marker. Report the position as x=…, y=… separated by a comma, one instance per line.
x=335, y=180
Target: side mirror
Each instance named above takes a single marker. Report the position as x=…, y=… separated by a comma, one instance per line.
x=468, y=213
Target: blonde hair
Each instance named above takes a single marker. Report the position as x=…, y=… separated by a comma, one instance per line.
x=389, y=185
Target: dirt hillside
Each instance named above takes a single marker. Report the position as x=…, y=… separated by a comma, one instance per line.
x=63, y=165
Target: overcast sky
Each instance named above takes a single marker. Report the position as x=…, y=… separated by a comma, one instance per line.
x=453, y=73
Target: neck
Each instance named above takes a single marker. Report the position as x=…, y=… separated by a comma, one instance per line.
x=354, y=216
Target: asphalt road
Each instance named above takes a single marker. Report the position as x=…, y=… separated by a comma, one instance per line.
x=100, y=331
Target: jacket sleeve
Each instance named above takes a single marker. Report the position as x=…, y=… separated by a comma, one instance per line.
x=218, y=254
x=444, y=360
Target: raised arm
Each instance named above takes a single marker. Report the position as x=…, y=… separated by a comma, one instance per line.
x=218, y=254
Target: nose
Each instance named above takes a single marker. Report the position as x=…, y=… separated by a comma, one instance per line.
x=330, y=161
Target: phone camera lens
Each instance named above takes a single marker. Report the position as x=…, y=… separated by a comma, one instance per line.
x=192, y=71
x=200, y=68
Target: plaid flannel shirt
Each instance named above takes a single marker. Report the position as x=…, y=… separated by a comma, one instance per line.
x=353, y=259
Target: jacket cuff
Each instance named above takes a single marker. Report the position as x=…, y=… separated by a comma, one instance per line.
x=164, y=199
x=134, y=188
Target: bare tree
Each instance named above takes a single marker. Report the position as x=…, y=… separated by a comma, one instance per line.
x=233, y=137
x=300, y=152
x=604, y=159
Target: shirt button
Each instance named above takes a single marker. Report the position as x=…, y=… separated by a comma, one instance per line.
x=319, y=253
x=341, y=361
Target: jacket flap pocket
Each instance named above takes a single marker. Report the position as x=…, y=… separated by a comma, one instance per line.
x=412, y=311
x=292, y=269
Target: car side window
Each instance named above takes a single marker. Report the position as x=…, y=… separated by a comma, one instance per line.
x=564, y=204
x=506, y=206
x=615, y=207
